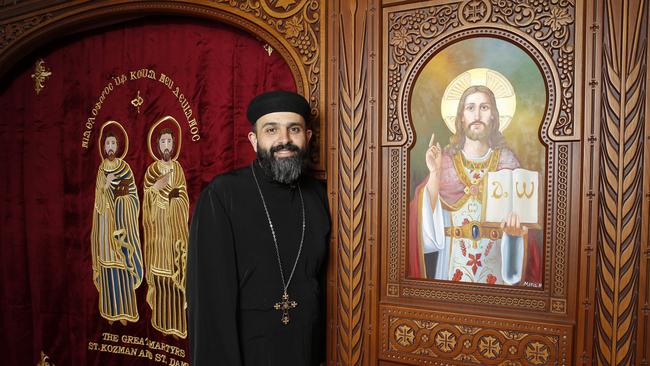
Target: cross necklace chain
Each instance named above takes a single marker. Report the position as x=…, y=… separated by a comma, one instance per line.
x=286, y=303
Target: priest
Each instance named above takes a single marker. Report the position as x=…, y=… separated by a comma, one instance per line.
x=257, y=247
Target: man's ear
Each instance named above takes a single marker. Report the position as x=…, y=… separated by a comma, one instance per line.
x=252, y=137
x=309, y=133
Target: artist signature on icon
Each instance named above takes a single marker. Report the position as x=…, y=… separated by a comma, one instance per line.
x=532, y=284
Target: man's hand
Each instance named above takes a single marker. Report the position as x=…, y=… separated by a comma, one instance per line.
x=512, y=226
x=109, y=180
x=162, y=181
x=434, y=156
x=434, y=163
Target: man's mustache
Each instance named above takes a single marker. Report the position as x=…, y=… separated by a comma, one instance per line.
x=288, y=146
x=111, y=152
x=477, y=123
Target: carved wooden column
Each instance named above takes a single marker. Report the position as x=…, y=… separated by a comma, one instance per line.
x=352, y=154
x=613, y=327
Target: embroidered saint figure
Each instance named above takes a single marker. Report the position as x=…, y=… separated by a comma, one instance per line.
x=115, y=238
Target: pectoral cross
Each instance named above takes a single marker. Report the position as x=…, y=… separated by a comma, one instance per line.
x=285, y=305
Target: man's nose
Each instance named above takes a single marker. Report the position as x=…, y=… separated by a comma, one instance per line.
x=284, y=135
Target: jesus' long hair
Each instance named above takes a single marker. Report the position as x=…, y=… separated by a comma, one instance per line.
x=495, y=138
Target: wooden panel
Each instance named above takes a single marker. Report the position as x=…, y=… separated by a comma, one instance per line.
x=597, y=251
x=352, y=185
x=420, y=319
x=421, y=337
x=613, y=320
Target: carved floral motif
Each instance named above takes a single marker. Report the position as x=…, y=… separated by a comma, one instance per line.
x=548, y=25
x=426, y=336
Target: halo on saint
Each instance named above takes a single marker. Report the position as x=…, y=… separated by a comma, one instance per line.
x=123, y=144
x=167, y=122
x=503, y=91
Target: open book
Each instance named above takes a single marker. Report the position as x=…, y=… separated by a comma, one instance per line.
x=512, y=191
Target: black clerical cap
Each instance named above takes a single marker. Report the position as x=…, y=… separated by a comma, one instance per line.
x=277, y=101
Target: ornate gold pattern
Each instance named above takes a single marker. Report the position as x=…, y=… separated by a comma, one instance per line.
x=620, y=188
x=434, y=337
x=45, y=360
x=40, y=75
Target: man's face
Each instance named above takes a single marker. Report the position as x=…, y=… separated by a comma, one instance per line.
x=281, y=134
x=477, y=116
x=166, y=145
x=110, y=147
x=281, y=140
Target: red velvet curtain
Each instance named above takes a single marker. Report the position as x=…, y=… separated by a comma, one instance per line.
x=49, y=154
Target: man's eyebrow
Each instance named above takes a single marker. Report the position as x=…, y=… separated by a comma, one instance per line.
x=288, y=124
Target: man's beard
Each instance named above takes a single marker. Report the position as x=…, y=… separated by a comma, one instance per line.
x=284, y=170
x=481, y=135
x=110, y=155
x=166, y=155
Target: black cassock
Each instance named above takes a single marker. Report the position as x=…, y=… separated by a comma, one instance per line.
x=233, y=276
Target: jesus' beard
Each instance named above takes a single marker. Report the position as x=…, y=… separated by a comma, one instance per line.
x=284, y=170
x=481, y=135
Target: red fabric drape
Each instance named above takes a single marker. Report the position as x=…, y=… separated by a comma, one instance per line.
x=48, y=301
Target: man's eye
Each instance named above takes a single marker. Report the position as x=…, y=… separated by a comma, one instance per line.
x=270, y=130
x=485, y=107
x=295, y=129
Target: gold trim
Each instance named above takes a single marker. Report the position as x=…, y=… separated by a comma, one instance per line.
x=465, y=231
